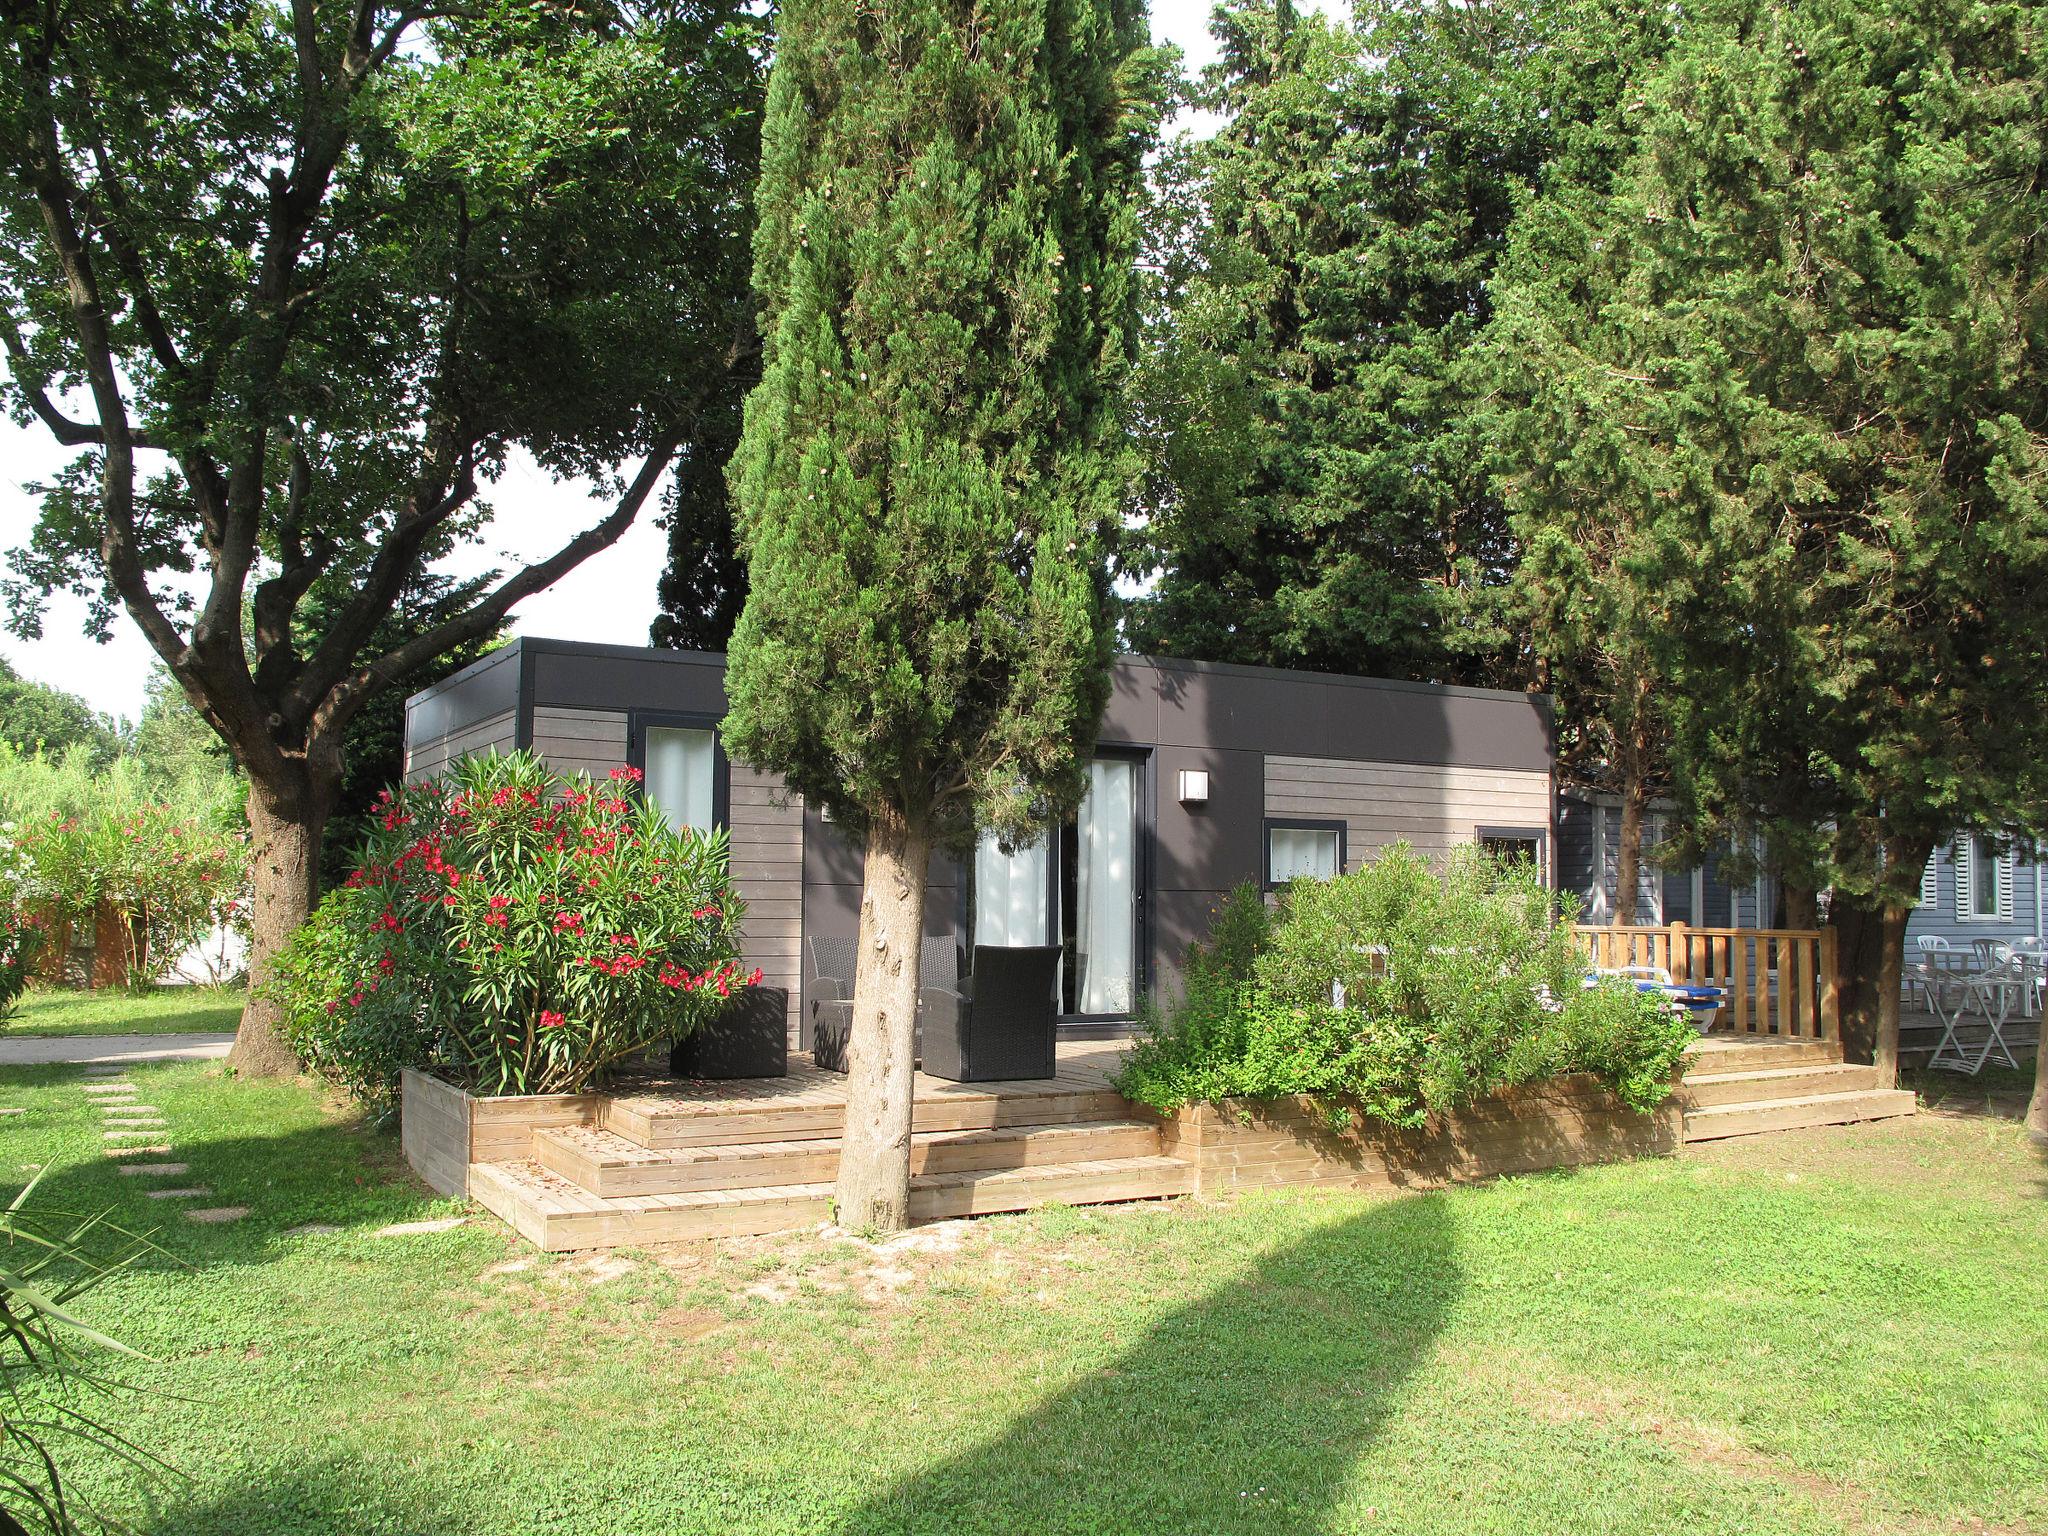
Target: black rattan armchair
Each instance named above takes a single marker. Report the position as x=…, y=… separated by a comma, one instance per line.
x=833, y=962
x=1000, y=1024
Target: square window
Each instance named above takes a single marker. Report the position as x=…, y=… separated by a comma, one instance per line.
x=1303, y=850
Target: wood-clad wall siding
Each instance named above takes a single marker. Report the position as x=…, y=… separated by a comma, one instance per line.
x=1433, y=807
x=591, y=741
x=768, y=865
x=425, y=759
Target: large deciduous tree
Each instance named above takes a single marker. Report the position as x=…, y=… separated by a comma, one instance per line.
x=1811, y=338
x=934, y=459
x=297, y=280
x=1311, y=392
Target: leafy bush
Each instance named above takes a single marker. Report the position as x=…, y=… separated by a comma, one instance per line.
x=1398, y=992
x=514, y=930
x=170, y=859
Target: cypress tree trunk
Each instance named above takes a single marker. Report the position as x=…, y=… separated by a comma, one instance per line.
x=2037, y=1106
x=874, y=1151
x=1871, y=969
x=1628, y=861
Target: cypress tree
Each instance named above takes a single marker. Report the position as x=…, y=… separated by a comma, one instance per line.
x=933, y=463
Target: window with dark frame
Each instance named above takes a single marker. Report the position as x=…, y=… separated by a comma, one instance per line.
x=1297, y=849
x=1514, y=843
x=684, y=766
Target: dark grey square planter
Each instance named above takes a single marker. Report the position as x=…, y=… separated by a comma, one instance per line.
x=749, y=1038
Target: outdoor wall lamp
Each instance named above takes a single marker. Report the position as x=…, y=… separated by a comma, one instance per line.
x=1194, y=786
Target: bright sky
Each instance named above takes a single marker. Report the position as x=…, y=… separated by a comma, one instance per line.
x=609, y=598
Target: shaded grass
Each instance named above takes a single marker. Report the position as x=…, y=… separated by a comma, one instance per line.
x=111, y=1011
x=1819, y=1332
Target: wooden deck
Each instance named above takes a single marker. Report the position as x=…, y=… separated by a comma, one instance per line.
x=662, y=1160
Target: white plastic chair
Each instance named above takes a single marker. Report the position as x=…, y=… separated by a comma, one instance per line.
x=1920, y=979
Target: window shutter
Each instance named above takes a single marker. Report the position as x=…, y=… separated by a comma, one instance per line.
x=2004, y=866
x=1927, y=896
x=1966, y=869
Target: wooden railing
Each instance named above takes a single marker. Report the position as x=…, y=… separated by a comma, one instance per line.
x=1780, y=981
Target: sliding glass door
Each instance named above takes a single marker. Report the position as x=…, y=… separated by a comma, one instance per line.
x=1083, y=889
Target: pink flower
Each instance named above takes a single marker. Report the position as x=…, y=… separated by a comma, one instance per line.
x=627, y=772
x=549, y=1019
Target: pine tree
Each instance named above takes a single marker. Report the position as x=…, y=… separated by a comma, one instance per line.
x=1810, y=346
x=934, y=461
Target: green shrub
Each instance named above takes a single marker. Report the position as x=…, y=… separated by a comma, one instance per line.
x=1399, y=992
x=515, y=930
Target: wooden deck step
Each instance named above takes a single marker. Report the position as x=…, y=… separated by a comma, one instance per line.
x=1735, y=1053
x=1704, y=1090
x=659, y=1123
x=608, y=1165
x=1748, y=1118
x=554, y=1214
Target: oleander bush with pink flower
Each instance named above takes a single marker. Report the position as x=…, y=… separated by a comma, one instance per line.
x=515, y=930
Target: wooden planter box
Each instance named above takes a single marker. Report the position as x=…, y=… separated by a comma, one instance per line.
x=1270, y=1143
x=444, y=1129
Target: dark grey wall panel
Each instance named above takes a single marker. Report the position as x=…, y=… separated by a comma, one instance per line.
x=487, y=687
x=626, y=677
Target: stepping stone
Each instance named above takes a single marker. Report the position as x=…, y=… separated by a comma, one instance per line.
x=154, y=1146
x=145, y=1131
x=179, y=1194
x=155, y=1170
x=129, y=1109
x=312, y=1229
x=105, y=1069
x=13, y=1111
x=415, y=1228
x=214, y=1215
x=106, y=1088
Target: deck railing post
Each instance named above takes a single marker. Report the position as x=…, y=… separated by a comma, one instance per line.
x=1830, y=998
x=1681, y=955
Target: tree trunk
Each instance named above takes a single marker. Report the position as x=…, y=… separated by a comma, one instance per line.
x=874, y=1151
x=284, y=872
x=2037, y=1106
x=1802, y=906
x=1628, y=859
x=1870, y=971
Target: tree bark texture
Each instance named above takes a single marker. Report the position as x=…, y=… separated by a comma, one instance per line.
x=1628, y=859
x=1871, y=970
x=874, y=1152
x=284, y=873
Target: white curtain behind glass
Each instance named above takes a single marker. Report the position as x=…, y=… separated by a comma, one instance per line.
x=1105, y=912
x=1298, y=851
x=1010, y=894
x=681, y=765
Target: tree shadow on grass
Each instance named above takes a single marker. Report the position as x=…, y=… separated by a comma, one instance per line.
x=1246, y=1410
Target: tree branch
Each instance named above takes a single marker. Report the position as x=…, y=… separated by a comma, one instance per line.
x=489, y=612
x=72, y=434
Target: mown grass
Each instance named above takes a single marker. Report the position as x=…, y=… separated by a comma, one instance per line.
x=1820, y=1332
x=111, y=1011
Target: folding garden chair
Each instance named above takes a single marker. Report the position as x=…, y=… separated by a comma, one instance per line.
x=1993, y=992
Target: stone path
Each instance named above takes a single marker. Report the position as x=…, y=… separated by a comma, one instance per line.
x=133, y=1129
x=110, y=1053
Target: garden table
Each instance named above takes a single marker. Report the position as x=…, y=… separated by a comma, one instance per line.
x=1957, y=986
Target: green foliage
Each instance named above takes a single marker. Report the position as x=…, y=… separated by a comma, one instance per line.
x=171, y=859
x=934, y=460
x=1311, y=397
x=49, y=1258
x=36, y=717
x=1801, y=346
x=1454, y=983
x=516, y=929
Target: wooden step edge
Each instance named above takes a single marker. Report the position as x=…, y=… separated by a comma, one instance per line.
x=565, y=1220
x=1778, y=1074
x=1757, y=1116
x=709, y=1152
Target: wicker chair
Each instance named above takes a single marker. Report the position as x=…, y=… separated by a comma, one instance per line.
x=833, y=962
x=1000, y=1024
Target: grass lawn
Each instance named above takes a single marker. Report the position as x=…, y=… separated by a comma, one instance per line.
x=1834, y=1331
x=110, y=1011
